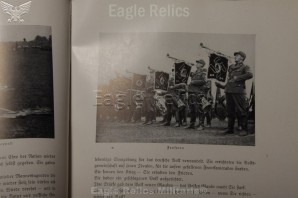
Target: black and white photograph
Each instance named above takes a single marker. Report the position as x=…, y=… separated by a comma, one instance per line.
x=26, y=82
x=180, y=88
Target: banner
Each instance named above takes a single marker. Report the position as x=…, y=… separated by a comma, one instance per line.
x=121, y=84
x=139, y=82
x=182, y=71
x=251, y=100
x=161, y=80
x=218, y=67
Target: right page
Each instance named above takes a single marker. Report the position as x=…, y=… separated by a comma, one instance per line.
x=184, y=98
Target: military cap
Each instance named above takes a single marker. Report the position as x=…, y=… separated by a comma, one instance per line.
x=201, y=61
x=241, y=54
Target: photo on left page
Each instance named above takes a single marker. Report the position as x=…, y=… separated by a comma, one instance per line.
x=26, y=82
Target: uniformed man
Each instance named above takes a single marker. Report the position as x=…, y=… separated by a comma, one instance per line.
x=181, y=104
x=177, y=91
x=196, y=90
x=137, y=105
x=208, y=113
x=169, y=102
x=149, y=99
x=236, y=93
x=184, y=112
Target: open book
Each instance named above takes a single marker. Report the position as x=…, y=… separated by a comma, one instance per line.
x=124, y=98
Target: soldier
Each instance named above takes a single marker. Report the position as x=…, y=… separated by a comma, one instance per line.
x=236, y=93
x=177, y=91
x=149, y=99
x=181, y=111
x=184, y=111
x=129, y=106
x=196, y=90
x=137, y=105
x=120, y=107
x=164, y=111
x=171, y=107
x=174, y=102
x=208, y=113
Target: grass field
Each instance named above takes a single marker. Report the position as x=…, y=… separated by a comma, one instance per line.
x=121, y=132
x=28, y=73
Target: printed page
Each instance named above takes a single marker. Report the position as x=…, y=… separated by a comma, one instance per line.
x=34, y=70
x=184, y=98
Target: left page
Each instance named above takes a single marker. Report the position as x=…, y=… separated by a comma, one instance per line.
x=34, y=67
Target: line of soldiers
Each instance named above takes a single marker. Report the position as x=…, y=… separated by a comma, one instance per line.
x=180, y=101
x=183, y=100
x=193, y=100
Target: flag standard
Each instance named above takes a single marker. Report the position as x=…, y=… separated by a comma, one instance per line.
x=182, y=71
x=218, y=67
x=161, y=80
x=138, y=82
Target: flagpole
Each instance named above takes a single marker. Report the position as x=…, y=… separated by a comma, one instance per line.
x=216, y=52
x=180, y=60
x=252, y=95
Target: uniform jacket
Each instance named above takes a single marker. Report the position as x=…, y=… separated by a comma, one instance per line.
x=198, y=83
x=238, y=74
x=150, y=86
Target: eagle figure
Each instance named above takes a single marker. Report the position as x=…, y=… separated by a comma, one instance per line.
x=15, y=11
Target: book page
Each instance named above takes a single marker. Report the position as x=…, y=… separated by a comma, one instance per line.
x=34, y=70
x=184, y=98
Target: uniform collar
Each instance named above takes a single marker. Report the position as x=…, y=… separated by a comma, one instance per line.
x=239, y=64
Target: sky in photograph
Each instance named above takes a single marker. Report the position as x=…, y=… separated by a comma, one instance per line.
x=13, y=33
x=134, y=52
